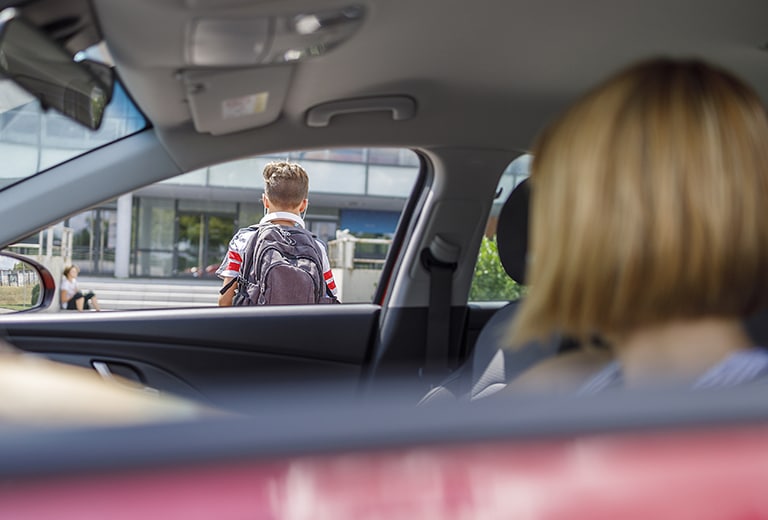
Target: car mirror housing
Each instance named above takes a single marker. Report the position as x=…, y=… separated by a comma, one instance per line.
x=25, y=285
x=39, y=65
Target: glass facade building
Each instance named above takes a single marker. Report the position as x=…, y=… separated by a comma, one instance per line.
x=181, y=227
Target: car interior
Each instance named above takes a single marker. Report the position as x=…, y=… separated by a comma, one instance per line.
x=466, y=87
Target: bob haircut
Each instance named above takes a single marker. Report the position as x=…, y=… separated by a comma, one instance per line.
x=648, y=205
x=286, y=184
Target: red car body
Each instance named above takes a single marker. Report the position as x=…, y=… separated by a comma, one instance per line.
x=679, y=473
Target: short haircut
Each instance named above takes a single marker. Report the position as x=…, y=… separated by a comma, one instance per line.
x=648, y=205
x=68, y=268
x=286, y=184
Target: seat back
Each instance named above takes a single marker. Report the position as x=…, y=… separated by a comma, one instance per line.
x=491, y=367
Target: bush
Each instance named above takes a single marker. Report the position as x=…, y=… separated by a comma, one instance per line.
x=490, y=281
x=35, y=295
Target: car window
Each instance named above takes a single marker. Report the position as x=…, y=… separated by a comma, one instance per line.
x=178, y=231
x=33, y=140
x=490, y=282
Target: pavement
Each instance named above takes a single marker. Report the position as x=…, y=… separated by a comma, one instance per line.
x=151, y=293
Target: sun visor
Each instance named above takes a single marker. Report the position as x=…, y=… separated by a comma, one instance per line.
x=226, y=101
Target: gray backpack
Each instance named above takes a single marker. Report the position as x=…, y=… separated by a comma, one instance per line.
x=281, y=266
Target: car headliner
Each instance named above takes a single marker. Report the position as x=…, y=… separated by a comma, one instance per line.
x=486, y=74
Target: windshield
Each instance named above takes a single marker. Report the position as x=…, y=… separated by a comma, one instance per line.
x=33, y=139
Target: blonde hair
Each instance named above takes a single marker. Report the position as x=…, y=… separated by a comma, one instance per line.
x=286, y=184
x=648, y=200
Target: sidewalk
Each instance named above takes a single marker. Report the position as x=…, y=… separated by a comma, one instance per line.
x=151, y=293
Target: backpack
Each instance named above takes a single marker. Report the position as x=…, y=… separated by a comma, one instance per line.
x=281, y=266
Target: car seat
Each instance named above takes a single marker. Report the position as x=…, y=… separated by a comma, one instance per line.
x=491, y=367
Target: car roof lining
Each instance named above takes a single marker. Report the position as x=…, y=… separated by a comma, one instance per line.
x=504, y=86
x=531, y=61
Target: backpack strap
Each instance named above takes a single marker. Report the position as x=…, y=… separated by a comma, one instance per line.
x=246, y=266
x=319, y=251
x=328, y=292
x=229, y=284
x=246, y=262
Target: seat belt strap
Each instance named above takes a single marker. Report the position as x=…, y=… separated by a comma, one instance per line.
x=440, y=261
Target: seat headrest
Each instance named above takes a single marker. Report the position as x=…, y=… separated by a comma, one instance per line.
x=512, y=232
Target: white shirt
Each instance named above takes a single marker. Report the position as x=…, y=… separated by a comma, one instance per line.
x=69, y=287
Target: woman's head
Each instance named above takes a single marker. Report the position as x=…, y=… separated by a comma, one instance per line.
x=71, y=271
x=647, y=204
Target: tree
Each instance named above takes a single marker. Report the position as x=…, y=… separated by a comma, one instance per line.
x=35, y=295
x=490, y=281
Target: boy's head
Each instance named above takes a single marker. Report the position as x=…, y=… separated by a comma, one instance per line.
x=286, y=186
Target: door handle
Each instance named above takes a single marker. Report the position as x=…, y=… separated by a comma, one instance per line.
x=102, y=368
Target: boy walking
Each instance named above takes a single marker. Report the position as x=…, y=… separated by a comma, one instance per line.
x=278, y=262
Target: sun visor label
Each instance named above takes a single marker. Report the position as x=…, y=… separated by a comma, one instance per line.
x=244, y=106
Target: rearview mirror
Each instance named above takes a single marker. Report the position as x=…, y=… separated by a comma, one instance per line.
x=79, y=90
x=25, y=285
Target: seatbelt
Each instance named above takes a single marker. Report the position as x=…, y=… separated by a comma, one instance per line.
x=440, y=260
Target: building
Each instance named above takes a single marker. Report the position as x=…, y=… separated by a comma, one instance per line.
x=181, y=227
